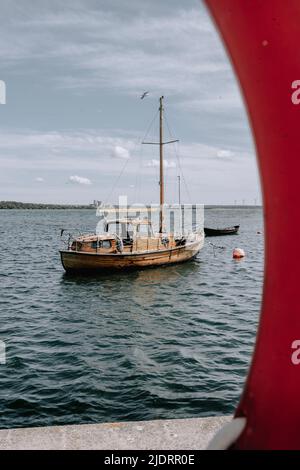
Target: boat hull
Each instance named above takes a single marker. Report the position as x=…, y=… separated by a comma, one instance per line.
x=76, y=261
x=217, y=232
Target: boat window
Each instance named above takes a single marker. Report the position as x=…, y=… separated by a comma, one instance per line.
x=144, y=229
x=128, y=231
x=95, y=245
x=122, y=229
x=106, y=243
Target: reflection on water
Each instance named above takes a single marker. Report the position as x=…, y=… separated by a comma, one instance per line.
x=165, y=342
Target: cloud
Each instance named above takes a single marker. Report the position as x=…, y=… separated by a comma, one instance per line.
x=220, y=178
x=155, y=163
x=60, y=151
x=39, y=179
x=80, y=180
x=120, y=152
x=111, y=51
x=64, y=149
x=96, y=55
x=225, y=154
x=103, y=46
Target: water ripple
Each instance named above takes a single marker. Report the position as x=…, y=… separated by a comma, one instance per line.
x=161, y=343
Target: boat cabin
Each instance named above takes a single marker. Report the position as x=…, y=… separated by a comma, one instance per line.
x=125, y=235
x=95, y=244
x=129, y=229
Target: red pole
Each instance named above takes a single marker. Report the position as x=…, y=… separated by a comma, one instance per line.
x=262, y=38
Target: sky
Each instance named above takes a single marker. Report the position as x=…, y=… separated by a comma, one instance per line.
x=73, y=122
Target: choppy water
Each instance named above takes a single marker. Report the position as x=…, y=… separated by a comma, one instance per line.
x=168, y=342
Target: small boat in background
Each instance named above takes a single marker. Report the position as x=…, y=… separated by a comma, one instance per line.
x=216, y=232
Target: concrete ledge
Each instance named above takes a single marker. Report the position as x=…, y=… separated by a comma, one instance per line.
x=141, y=435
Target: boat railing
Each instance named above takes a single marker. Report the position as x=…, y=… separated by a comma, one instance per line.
x=68, y=236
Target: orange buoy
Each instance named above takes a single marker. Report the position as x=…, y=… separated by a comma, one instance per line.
x=238, y=253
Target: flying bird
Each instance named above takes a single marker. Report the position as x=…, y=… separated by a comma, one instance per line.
x=146, y=93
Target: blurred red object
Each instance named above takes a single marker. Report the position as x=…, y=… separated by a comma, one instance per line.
x=261, y=38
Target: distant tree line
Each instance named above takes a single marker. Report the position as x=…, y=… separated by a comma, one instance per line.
x=29, y=205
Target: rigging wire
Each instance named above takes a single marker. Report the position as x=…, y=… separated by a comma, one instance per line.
x=139, y=167
x=150, y=125
x=116, y=181
x=178, y=161
x=127, y=160
x=137, y=182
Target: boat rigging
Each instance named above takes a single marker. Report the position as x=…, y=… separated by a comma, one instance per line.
x=131, y=241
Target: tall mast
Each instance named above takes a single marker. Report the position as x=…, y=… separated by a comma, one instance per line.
x=161, y=144
x=161, y=166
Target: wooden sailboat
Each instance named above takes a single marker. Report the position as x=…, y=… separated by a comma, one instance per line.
x=134, y=244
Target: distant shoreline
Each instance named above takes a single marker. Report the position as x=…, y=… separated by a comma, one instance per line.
x=28, y=205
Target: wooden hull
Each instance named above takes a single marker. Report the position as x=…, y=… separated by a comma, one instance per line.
x=77, y=261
